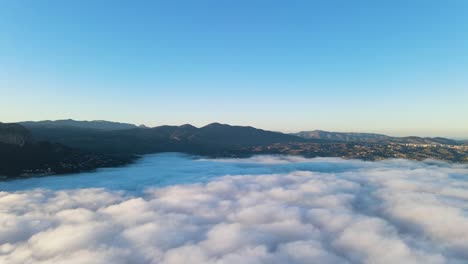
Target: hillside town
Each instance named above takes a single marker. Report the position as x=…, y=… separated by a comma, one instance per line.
x=368, y=151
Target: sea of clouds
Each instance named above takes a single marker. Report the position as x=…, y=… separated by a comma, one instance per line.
x=301, y=211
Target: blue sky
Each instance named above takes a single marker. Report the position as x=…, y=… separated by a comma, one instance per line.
x=395, y=67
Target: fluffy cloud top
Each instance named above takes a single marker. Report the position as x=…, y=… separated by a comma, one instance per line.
x=343, y=212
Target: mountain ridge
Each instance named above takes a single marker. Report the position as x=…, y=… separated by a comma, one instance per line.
x=93, y=124
x=372, y=138
x=212, y=138
x=308, y=134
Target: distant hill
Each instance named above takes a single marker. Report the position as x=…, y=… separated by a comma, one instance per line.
x=207, y=140
x=426, y=140
x=372, y=138
x=70, y=123
x=339, y=136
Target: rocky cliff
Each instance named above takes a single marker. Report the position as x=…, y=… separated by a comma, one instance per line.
x=14, y=134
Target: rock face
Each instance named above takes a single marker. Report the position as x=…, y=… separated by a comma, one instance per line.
x=14, y=134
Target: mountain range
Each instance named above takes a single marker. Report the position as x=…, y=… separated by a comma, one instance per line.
x=70, y=130
x=372, y=138
x=213, y=139
x=64, y=146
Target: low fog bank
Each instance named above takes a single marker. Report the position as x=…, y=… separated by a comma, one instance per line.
x=287, y=210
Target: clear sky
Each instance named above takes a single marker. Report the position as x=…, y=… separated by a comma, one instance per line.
x=398, y=67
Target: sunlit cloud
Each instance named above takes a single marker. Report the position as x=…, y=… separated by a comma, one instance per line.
x=367, y=212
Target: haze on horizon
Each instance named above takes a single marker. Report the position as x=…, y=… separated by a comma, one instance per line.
x=395, y=67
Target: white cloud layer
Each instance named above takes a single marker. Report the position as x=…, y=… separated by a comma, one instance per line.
x=376, y=212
